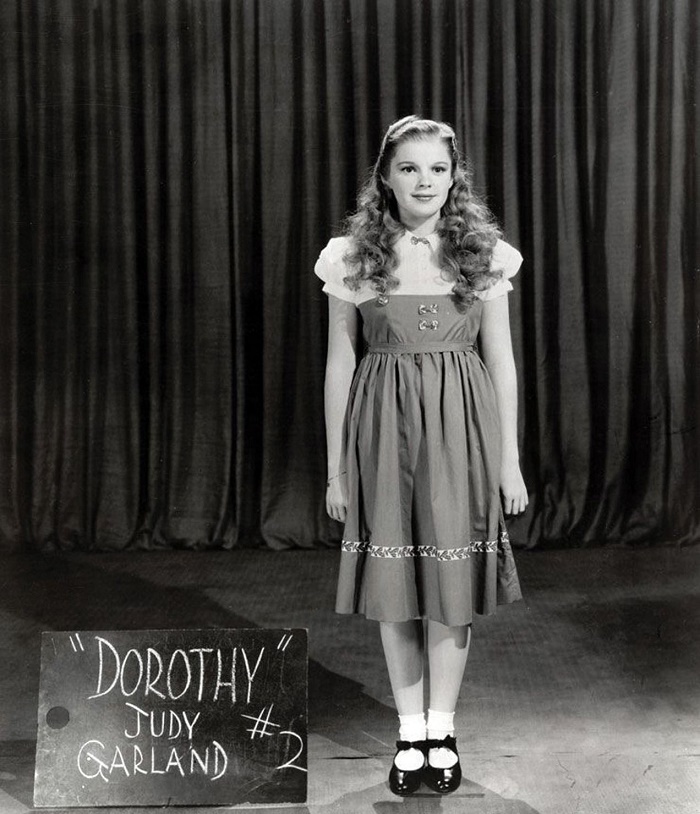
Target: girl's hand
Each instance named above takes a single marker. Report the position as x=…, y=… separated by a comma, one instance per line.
x=513, y=490
x=336, y=498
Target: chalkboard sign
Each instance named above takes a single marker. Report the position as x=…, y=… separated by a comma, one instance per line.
x=172, y=717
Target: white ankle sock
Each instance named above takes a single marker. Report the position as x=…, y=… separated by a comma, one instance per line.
x=411, y=728
x=441, y=724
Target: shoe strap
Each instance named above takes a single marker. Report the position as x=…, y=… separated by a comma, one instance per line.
x=403, y=745
x=448, y=742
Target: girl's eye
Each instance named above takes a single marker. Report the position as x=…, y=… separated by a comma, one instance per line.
x=407, y=169
x=440, y=169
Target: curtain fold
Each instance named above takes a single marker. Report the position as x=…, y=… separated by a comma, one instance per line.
x=171, y=171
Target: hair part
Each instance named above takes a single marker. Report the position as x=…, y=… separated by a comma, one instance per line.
x=467, y=229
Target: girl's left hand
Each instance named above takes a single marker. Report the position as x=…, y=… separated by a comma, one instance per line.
x=513, y=490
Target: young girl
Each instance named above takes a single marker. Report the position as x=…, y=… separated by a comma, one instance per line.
x=421, y=434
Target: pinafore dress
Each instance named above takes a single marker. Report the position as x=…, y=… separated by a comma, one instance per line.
x=424, y=534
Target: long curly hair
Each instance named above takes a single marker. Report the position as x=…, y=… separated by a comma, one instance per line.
x=466, y=228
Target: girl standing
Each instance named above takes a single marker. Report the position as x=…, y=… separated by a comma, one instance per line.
x=421, y=434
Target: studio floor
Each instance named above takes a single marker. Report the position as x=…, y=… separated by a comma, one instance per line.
x=582, y=699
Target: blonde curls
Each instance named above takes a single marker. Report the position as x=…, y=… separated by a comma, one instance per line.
x=467, y=229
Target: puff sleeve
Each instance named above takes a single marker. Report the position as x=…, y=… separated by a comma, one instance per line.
x=331, y=268
x=507, y=260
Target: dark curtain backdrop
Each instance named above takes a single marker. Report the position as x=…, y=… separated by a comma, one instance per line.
x=169, y=172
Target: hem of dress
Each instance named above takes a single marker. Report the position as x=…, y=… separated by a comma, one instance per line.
x=490, y=612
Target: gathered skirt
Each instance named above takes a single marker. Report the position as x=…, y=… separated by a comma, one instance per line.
x=424, y=535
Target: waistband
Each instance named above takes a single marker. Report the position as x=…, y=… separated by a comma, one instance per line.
x=422, y=347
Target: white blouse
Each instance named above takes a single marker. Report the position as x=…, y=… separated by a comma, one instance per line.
x=417, y=272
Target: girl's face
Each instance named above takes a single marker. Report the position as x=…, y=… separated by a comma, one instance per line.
x=420, y=176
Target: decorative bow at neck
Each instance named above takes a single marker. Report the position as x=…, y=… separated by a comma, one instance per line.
x=416, y=240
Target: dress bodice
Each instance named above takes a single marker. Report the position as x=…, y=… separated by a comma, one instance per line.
x=415, y=319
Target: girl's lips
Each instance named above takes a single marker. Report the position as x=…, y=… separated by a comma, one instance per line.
x=424, y=197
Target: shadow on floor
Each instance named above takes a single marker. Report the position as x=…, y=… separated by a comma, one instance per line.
x=65, y=592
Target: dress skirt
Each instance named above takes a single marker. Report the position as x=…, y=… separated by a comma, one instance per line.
x=424, y=534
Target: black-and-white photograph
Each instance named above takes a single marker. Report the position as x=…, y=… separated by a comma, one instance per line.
x=349, y=406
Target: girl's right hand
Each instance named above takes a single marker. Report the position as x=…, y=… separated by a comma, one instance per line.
x=336, y=498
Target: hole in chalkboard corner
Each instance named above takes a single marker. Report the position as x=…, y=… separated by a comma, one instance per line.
x=57, y=717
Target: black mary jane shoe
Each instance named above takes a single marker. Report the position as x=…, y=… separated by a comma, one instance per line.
x=442, y=781
x=406, y=781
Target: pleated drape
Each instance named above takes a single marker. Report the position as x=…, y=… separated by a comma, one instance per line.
x=170, y=171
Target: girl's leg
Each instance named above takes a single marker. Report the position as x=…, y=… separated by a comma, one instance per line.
x=403, y=650
x=448, y=649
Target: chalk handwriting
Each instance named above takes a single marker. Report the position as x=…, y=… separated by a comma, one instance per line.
x=165, y=726
x=182, y=674
x=97, y=760
x=251, y=676
x=290, y=764
x=156, y=727
x=261, y=723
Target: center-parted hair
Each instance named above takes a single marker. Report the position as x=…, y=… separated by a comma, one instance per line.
x=467, y=229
